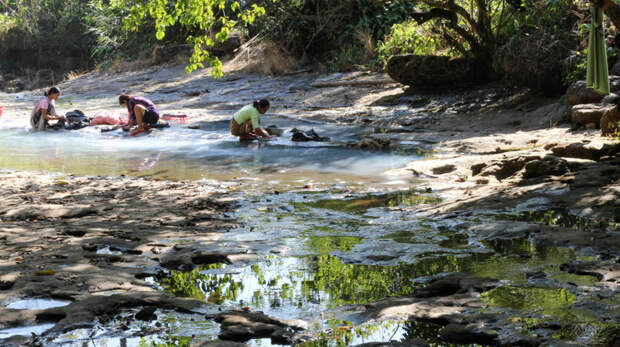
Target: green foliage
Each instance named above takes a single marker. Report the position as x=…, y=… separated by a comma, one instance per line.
x=204, y=20
x=412, y=38
x=529, y=298
x=338, y=33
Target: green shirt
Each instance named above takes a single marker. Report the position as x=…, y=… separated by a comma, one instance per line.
x=246, y=113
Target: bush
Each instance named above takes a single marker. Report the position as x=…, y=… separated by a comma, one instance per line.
x=336, y=32
x=539, y=42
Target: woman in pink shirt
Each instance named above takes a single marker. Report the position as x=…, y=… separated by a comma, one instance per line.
x=46, y=111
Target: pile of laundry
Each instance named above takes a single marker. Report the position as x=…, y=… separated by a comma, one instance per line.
x=305, y=136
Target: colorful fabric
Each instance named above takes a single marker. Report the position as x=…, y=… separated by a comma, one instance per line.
x=597, y=76
x=108, y=118
x=247, y=113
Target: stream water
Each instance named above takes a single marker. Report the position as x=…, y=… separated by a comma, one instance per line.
x=353, y=238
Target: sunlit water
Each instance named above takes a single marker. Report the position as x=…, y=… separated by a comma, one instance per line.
x=179, y=153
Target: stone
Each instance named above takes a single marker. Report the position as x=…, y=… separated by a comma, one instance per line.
x=147, y=314
x=611, y=150
x=578, y=93
x=443, y=169
x=503, y=169
x=588, y=113
x=609, y=117
x=243, y=325
x=412, y=342
x=548, y=166
x=14, y=86
x=467, y=334
x=611, y=99
x=428, y=70
x=455, y=283
x=219, y=343
x=577, y=150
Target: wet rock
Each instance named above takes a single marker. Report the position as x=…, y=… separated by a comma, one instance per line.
x=548, y=166
x=577, y=150
x=425, y=70
x=408, y=343
x=443, y=169
x=14, y=86
x=147, y=314
x=588, y=113
x=455, y=283
x=186, y=259
x=467, y=334
x=241, y=325
x=610, y=150
x=82, y=314
x=15, y=341
x=477, y=168
x=597, y=270
x=205, y=258
x=503, y=169
x=578, y=93
x=372, y=144
x=611, y=99
x=609, y=117
x=11, y=317
x=220, y=343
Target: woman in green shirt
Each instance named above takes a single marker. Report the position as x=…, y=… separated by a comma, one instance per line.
x=246, y=124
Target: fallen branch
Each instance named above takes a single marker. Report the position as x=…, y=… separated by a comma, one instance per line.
x=352, y=83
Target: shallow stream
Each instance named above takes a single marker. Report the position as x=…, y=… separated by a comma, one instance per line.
x=332, y=230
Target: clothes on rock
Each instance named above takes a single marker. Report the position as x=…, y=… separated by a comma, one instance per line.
x=305, y=136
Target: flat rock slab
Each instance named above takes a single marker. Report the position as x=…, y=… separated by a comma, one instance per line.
x=588, y=113
x=48, y=211
x=82, y=314
x=241, y=325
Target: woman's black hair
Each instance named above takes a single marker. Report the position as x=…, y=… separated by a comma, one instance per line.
x=262, y=103
x=123, y=99
x=53, y=90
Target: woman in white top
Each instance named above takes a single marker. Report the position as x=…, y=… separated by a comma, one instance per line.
x=46, y=111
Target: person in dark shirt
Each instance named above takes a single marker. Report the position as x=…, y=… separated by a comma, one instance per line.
x=142, y=112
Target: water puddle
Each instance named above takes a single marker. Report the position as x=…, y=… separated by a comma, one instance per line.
x=361, y=204
x=179, y=153
x=36, y=304
x=25, y=331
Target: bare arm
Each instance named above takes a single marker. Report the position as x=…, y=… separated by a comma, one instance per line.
x=260, y=131
x=48, y=116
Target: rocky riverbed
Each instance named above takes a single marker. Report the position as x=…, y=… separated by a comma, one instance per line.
x=503, y=231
